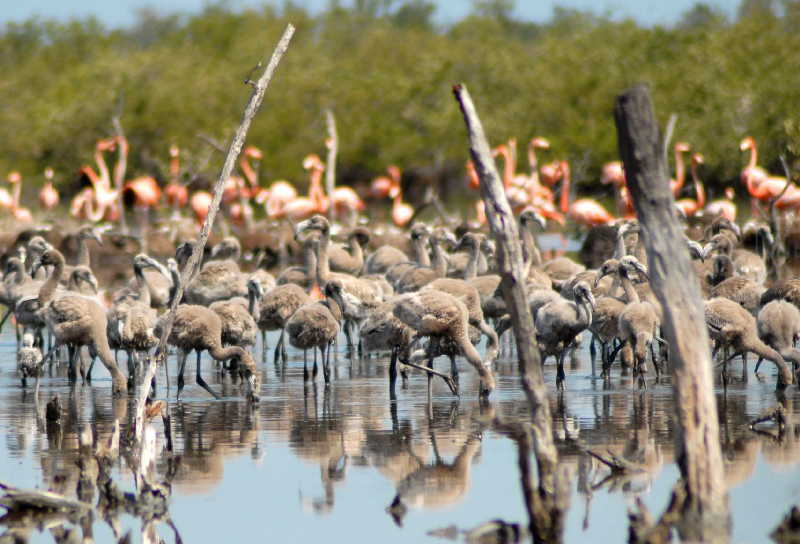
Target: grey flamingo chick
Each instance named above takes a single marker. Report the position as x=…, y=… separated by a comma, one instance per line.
x=530, y=222
x=560, y=321
x=739, y=289
x=420, y=237
x=779, y=327
x=417, y=277
x=638, y=322
x=275, y=309
x=351, y=262
x=435, y=313
x=360, y=295
x=304, y=275
x=29, y=360
x=197, y=328
x=238, y=322
x=605, y=317
x=316, y=325
x=382, y=331
x=220, y=278
x=75, y=321
x=132, y=318
x=467, y=294
x=731, y=326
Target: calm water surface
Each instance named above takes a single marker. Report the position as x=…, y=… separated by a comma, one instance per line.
x=316, y=463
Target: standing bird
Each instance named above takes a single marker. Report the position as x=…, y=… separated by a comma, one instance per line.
x=316, y=202
x=48, y=195
x=197, y=328
x=638, y=322
x=560, y=321
x=316, y=325
x=276, y=307
x=437, y=314
x=584, y=211
x=75, y=321
x=29, y=360
x=779, y=328
x=21, y=214
x=731, y=326
x=689, y=206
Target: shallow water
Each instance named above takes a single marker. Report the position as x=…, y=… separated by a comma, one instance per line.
x=316, y=463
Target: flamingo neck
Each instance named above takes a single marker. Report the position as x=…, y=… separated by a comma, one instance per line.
x=104, y=177
x=439, y=258
x=223, y=354
x=323, y=263
x=142, y=289
x=422, y=251
x=698, y=187
x=49, y=287
x=753, y=155
x=17, y=193
x=471, y=271
x=122, y=164
x=174, y=168
x=627, y=286
x=533, y=161
x=315, y=191
x=356, y=251
x=310, y=259
x=680, y=172
x=84, y=258
x=508, y=167
x=248, y=171
x=565, y=187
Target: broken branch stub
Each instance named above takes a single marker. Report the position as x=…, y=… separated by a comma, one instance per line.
x=705, y=510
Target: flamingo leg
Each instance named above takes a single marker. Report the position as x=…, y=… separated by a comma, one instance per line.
x=200, y=381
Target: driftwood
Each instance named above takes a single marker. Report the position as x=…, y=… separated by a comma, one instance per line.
x=546, y=499
x=259, y=89
x=332, y=143
x=704, y=511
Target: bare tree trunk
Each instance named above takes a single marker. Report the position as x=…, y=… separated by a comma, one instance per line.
x=702, y=502
x=332, y=143
x=259, y=89
x=546, y=502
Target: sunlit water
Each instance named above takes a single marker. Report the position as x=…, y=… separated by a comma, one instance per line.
x=316, y=463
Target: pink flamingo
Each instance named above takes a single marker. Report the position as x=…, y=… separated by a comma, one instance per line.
x=48, y=195
x=614, y=174
x=761, y=186
x=20, y=214
x=692, y=206
x=316, y=202
x=275, y=199
x=402, y=212
x=98, y=201
x=675, y=185
x=176, y=193
x=200, y=202
x=584, y=211
x=723, y=206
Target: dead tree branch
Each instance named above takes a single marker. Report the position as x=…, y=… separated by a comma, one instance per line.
x=699, y=456
x=234, y=149
x=546, y=502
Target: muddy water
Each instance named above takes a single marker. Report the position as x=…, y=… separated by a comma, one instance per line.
x=316, y=463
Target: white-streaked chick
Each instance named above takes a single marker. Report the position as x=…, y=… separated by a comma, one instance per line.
x=29, y=359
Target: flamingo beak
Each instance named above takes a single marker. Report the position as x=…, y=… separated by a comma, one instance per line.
x=316, y=293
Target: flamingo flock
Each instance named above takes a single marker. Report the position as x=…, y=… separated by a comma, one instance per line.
x=543, y=187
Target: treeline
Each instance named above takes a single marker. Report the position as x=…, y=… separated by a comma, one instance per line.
x=386, y=68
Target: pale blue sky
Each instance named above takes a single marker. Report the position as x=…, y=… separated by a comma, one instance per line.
x=121, y=12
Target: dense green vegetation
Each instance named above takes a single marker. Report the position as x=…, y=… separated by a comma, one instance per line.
x=386, y=68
